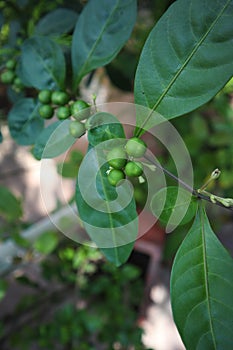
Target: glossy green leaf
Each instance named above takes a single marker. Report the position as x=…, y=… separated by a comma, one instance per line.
x=57, y=22
x=54, y=140
x=67, y=170
x=186, y=59
x=176, y=210
x=104, y=126
x=24, y=121
x=42, y=64
x=10, y=206
x=202, y=289
x=46, y=243
x=102, y=29
x=108, y=213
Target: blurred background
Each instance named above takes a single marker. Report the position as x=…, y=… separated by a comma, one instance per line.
x=55, y=293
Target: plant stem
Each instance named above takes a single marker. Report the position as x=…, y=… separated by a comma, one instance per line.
x=186, y=186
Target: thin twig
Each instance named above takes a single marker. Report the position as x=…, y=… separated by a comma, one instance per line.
x=186, y=186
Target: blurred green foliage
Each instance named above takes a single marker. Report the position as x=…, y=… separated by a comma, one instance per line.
x=96, y=309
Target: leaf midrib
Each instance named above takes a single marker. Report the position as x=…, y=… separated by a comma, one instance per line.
x=96, y=42
x=202, y=219
x=183, y=66
x=32, y=116
x=109, y=214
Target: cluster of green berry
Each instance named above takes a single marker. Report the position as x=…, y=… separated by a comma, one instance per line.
x=59, y=103
x=122, y=163
x=9, y=76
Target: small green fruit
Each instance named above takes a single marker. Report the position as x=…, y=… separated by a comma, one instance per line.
x=80, y=110
x=135, y=147
x=46, y=111
x=115, y=176
x=77, y=129
x=63, y=112
x=117, y=158
x=18, y=83
x=44, y=96
x=60, y=98
x=7, y=77
x=140, y=194
x=11, y=64
x=134, y=169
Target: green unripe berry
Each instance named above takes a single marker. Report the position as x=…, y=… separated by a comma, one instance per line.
x=63, y=112
x=7, y=77
x=60, y=98
x=115, y=176
x=44, y=96
x=117, y=158
x=134, y=169
x=46, y=111
x=135, y=147
x=80, y=110
x=10, y=64
x=18, y=83
x=140, y=194
x=77, y=129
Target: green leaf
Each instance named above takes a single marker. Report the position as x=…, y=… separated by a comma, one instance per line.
x=108, y=213
x=67, y=170
x=70, y=169
x=1, y=137
x=54, y=140
x=42, y=64
x=179, y=206
x=46, y=243
x=10, y=206
x=102, y=29
x=186, y=59
x=202, y=289
x=24, y=121
x=104, y=126
x=57, y=22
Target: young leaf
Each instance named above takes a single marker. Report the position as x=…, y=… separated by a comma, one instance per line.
x=102, y=29
x=42, y=64
x=24, y=121
x=57, y=22
x=104, y=126
x=186, y=60
x=108, y=213
x=54, y=140
x=179, y=207
x=202, y=289
x=10, y=206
